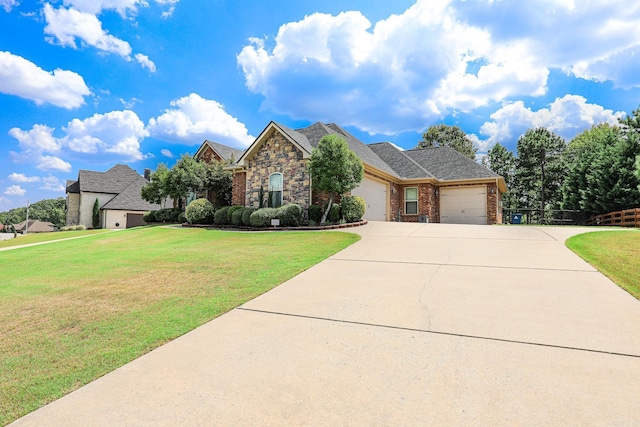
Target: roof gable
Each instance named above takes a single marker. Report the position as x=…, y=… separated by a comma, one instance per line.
x=296, y=138
x=225, y=152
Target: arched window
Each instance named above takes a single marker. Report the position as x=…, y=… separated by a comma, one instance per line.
x=275, y=190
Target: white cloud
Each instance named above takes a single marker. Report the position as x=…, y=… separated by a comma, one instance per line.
x=437, y=58
x=167, y=153
x=94, y=7
x=145, y=62
x=53, y=163
x=25, y=79
x=22, y=178
x=566, y=116
x=15, y=190
x=52, y=183
x=7, y=5
x=117, y=132
x=67, y=24
x=172, y=7
x=38, y=139
x=193, y=119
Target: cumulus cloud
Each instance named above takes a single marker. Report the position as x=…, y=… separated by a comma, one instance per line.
x=113, y=136
x=15, y=190
x=437, y=58
x=145, y=62
x=80, y=21
x=25, y=79
x=566, y=116
x=167, y=153
x=22, y=178
x=193, y=119
x=7, y=5
x=65, y=25
x=117, y=132
x=52, y=183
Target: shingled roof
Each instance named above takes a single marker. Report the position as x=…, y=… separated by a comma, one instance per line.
x=225, y=152
x=129, y=198
x=112, y=181
x=446, y=164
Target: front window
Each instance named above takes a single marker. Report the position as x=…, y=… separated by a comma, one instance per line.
x=411, y=201
x=275, y=190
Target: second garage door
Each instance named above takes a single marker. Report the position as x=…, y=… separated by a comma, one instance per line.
x=374, y=194
x=463, y=205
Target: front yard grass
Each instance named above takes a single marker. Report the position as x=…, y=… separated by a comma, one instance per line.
x=47, y=237
x=71, y=311
x=616, y=254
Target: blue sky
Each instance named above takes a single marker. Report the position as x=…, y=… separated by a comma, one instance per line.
x=86, y=84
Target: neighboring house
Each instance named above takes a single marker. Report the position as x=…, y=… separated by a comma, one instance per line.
x=118, y=193
x=35, y=226
x=434, y=184
x=209, y=151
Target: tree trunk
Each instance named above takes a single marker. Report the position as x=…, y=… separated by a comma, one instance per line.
x=326, y=212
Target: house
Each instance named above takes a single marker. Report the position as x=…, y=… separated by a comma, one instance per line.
x=35, y=226
x=118, y=193
x=435, y=184
x=210, y=151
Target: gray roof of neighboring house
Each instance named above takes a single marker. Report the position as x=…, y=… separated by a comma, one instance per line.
x=445, y=163
x=112, y=181
x=224, y=151
x=35, y=226
x=73, y=186
x=129, y=198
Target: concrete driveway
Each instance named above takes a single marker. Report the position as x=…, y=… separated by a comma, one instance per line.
x=416, y=324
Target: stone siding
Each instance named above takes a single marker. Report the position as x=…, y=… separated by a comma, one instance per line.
x=73, y=209
x=208, y=155
x=277, y=154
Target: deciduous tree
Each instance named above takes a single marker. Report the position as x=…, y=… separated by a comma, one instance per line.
x=334, y=169
x=448, y=136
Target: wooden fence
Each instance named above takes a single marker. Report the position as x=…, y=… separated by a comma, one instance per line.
x=625, y=218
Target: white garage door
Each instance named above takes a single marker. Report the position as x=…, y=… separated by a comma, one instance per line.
x=374, y=194
x=463, y=205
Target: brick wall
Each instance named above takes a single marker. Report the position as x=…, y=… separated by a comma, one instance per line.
x=494, y=212
x=239, y=187
x=277, y=154
x=209, y=154
x=428, y=203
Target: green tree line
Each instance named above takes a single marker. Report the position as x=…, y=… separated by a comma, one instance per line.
x=596, y=172
x=47, y=210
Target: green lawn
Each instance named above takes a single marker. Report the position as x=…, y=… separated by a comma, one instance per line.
x=614, y=253
x=47, y=237
x=74, y=310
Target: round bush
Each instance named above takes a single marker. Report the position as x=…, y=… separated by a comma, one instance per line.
x=290, y=215
x=167, y=215
x=246, y=216
x=182, y=218
x=230, y=212
x=262, y=217
x=236, y=216
x=199, y=211
x=353, y=208
x=220, y=217
x=149, y=216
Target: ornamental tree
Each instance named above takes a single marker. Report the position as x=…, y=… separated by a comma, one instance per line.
x=334, y=169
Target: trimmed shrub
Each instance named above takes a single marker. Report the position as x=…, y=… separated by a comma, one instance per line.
x=149, y=216
x=167, y=215
x=353, y=208
x=236, y=216
x=182, y=218
x=290, y=215
x=230, y=212
x=334, y=213
x=246, y=216
x=315, y=213
x=220, y=217
x=262, y=217
x=73, y=228
x=199, y=211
